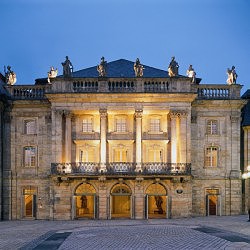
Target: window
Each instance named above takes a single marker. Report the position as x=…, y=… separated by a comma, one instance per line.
x=121, y=125
x=30, y=127
x=212, y=127
x=211, y=158
x=154, y=125
x=155, y=155
x=87, y=125
x=87, y=155
x=29, y=156
x=120, y=155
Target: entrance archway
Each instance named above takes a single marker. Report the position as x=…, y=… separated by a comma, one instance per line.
x=85, y=201
x=120, y=202
x=156, y=202
x=213, y=201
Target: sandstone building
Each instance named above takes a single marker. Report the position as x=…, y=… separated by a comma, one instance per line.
x=120, y=144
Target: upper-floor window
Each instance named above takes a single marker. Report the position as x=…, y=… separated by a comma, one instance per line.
x=87, y=125
x=87, y=155
x=211, y=157
x=121, y=124
x=30, y=127
x=120, y=155
x=155, y=125
x=212, y=127
x=29, y=156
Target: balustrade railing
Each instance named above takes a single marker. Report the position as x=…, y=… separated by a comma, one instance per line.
x=121, y=168
x=125, y=168
x=152, y=86
x=28, y=92
x=214, y=92
x=85, y=86
x=75, y=168
x=166, y=168
x=121, y=86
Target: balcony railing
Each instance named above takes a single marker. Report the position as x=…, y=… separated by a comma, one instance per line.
x=121, y=168
x=85, y=86
x=121, y=86
x=166, y=168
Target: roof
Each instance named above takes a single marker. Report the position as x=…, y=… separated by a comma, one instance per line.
x=121, y=68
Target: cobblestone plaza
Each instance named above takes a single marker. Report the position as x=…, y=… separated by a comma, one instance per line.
x=225, y=232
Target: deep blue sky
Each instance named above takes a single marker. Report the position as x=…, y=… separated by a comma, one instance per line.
x=210, y=34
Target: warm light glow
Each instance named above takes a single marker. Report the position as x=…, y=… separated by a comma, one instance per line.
x=244, y=176
x=248, y=168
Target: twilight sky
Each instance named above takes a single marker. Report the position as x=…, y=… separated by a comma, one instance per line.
x=212, y=35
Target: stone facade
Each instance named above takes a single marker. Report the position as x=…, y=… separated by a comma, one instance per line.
x=124, y=147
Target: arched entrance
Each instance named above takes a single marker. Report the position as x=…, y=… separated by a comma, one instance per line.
x=156, y=202
x=120, y=202
x=85, y=201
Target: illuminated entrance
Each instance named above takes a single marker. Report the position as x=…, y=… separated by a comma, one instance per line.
x=120, y=202
x=156, y=202
x=29, y=201
x=84, y=201
x=213, y=201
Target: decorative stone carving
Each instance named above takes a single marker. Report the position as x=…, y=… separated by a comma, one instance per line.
x=191, y=74
x=102, y=68
x=67, y=67
x=138, y=68
x=231, y=76
x=173, y=68
x=10, y=76
x=103, y=113
x=52, y=73
x=177, y=114
x=138, y=113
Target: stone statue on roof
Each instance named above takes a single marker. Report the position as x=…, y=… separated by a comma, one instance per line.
x=191, y=74
x=102, y=67
x=231, y=76
x=10, y=76
x=138, y=68
x=173, y=68
x=67, y=67
x=52, y=73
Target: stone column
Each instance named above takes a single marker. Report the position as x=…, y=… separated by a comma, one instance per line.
x=138, y=142
x=173, y=117
x=183, y=137
x=103, y=135
x=56, y=140
x=68, y=137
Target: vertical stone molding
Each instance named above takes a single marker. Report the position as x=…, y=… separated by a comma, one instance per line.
x=57, y=135
x=68, y=136
x=138, y=147
x=103, y=134
x=178, y=136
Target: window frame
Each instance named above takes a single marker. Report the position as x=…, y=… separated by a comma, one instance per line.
x=123, y=125
x=25, y=128
x=210, y=127
x=151, y=125
x=91, y=129
x=210, y=156
x=29, y=161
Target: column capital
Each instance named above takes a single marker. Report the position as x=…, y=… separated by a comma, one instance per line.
x=177, y=114
x=138, y=113
x=103, y=112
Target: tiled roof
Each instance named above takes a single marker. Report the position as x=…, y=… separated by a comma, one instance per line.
x=121, y=68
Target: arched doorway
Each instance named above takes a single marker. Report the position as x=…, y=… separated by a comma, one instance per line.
x=85, y=201
x=120, y=202
x=156, y=202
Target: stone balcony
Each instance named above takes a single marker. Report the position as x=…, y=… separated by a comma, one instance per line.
x=120, y=168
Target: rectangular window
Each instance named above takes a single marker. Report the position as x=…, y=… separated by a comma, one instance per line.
x=211, y=157
x=120, y=155
x=87, y=155
x=87, y=125
x=30, y=127
x=121, y=125
x=212, y=127
x=29, y=156
x=155, y=125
